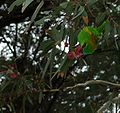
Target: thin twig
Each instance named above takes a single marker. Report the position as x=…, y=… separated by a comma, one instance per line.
x=86, y=4
x=90, y=82
x=15, y=41
x=90, y=11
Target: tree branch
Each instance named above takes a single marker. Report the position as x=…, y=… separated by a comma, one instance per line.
x=16, y=16
x=91, y=82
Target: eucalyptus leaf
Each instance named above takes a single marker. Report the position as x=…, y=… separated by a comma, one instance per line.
x=101, y=27
x=15, y=3
x=72, y=38
x=100, y=18
x=35, y=13
x=57, y=34
x=29, y=99
x=42, y=20
x=40, y=97
x=46, y=46
x=92, y=2
x=4, y=86
x=64, y=4
x=26, y=4
x=80, y=11
x=108, y=29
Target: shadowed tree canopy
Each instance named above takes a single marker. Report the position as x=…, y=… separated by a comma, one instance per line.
x=59, y=56
x=17, y=16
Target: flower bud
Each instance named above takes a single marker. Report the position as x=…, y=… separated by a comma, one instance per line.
x=78, y=51
x=71, y=55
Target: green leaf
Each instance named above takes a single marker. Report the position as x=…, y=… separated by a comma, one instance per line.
x=15, y=3
x=3, y=86
x=29, y=99
x=42, y=20
x=56, y=12
x=12, y=7
x=23, y=104
x=46, y=67
x=57, y=34
x=25, y=4
x=35, y=13
x=47, y=45
x=100, y=18
x=108, y=29
x=101, y=27
x=1, y=75
x=37, y=10
x=91, y=2
x=108, y=26
x=40, y=97
x=64, y=5
x=118, y=30
x=87, y=108
x=72, y=37
x=79, y=12
x=84, y=13
x=63, y=66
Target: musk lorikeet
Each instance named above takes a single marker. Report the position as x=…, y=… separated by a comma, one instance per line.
x=88, y=38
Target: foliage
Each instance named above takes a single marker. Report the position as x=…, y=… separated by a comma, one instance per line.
x=59, y=56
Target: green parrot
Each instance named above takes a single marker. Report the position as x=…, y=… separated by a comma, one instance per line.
x=88, y=38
